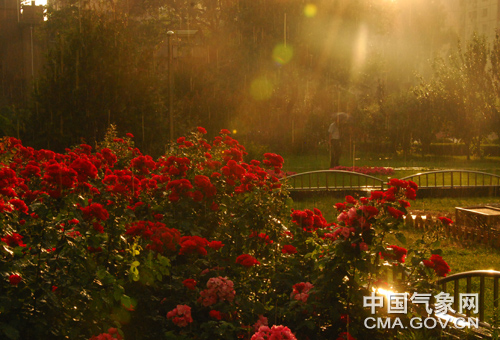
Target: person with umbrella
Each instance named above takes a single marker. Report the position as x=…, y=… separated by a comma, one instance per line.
x=334, y=138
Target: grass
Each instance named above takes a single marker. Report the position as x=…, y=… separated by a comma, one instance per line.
x=403, y=166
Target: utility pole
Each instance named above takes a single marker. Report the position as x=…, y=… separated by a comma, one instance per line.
x=170, y=85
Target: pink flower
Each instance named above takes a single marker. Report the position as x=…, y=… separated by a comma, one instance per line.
x=181, y=315
x=273, y=333
x=301, y=291
x=261, y=322
x=218, y=289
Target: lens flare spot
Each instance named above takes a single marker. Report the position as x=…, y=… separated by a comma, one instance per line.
x=235, y=131
x=261, y=88
x=282, y=54
x=310, y=10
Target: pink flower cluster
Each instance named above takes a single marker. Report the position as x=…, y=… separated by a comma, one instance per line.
x=218, y=289
x=274, y=333
x=301, y=291
x=261, y=322
x=181, y=315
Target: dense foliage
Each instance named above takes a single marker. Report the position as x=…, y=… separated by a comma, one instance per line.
x=110, y=243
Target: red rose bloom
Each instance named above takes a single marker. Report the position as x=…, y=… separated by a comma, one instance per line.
x=14, y=279
x=247, y=260
x=437, y=263
x=445, y=220
x=410, y=193
x=288, y=249
x=189, y=284
x=191, y=244
x=216, y=245
x=395, y=212
x=215, y=314
x=14, y=240
x=395, y=253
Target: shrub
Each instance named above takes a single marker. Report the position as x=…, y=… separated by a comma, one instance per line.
x=196, y=244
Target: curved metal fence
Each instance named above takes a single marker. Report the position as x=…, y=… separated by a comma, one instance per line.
x=454, y=178
x=465, y=283
x=341, y=180
x=333, y=180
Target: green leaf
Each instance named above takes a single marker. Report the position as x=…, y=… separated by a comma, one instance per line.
x=401, y=238
x=436, y=244
x=9, y=331
x=128, y=302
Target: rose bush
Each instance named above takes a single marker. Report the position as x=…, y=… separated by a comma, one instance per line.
x=198, y=244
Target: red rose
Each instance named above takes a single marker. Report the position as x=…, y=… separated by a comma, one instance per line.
x=437, y=263
x=395, y=212
x=215, y=314
x=247, y=260
x=14, y=279
x=410, y=193
x=14, y=240
x=189, y=284
x=340, y=206
x=445, y=220
x=216, y=245
x=395, y=253
x=288, y=249
x=201, y=130
x=350, y=199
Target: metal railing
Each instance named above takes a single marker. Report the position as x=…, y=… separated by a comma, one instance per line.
x=332, y=180
x=483, y=294
x=454, y=178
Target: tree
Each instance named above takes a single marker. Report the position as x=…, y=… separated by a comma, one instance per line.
x=466, y=92
x=100, y=70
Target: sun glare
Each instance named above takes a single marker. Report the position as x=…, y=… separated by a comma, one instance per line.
x=37, y=2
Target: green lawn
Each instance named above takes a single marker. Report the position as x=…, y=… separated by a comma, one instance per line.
x=403, y=166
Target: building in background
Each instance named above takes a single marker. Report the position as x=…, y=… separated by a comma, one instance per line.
x=469, y=16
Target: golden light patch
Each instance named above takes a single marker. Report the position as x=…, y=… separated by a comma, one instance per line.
x=310, y=10
x=261, y=88
x=282, y=54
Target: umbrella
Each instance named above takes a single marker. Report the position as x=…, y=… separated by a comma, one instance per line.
x=341, y=116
